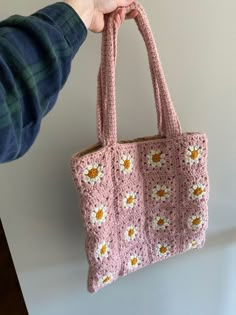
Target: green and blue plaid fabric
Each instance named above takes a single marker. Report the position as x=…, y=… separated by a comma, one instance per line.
x=36, y=52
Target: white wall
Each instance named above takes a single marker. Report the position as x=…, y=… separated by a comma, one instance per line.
x=197, y=45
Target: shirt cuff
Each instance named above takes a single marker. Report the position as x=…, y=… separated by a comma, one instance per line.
x=68, y=20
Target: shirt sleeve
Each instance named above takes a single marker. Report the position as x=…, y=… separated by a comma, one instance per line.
x=36, y=52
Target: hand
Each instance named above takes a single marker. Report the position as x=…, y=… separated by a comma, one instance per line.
x=121, y=15
x=92, y=11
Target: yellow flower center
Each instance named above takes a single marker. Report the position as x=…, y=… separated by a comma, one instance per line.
x=161, y=193
x=163, y=249
x=197, y=192
x=196, y=221
x=93, y=173
x=131, y=232
x=127, y=164
x=106, y=279
x=103, y=250
x=134, y=261
x=161, y=222
x=99, y=214
x=156, y=157
x=194, y=154
x=130, y=199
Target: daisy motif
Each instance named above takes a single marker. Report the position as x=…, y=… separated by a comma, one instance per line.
x=160, y=223
x=193, y=244
x=193, y=154
x=98, y=215
x=156, y=158
x=134, y=262
x=197, y=191
x=195, y=222
x=106, y=279
x=130, y=233
x=129, y=200
x=162, y=250
x=102, y=250
x=126, y=164
x=161, y=192
x=93, y=173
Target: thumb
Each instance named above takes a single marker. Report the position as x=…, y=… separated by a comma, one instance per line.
x=97, y=24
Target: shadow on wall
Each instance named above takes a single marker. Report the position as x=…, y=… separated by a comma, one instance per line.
x=70, y=275
x=221, y=239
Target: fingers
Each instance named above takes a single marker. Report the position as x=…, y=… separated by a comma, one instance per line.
x=121, y=15
x=132, y=15
x=124, y=3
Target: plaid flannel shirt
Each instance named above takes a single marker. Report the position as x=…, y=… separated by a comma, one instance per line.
x=36, y=52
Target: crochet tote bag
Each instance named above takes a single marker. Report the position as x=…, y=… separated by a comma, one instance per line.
x=142, y=200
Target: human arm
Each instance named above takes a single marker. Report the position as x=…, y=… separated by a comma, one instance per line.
x=36, y=52
x=35, y=59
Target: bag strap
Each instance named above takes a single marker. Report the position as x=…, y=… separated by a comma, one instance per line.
x=101, y=99
x=168, y=123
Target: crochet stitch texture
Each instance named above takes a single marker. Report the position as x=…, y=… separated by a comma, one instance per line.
x=142, y=200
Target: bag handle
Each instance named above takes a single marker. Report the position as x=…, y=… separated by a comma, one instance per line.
x=101, y=98
x=168, y=123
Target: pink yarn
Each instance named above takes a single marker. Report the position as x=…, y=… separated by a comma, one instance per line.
x=142, y=200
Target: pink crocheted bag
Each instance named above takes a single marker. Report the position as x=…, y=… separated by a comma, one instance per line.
x=142, y=200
